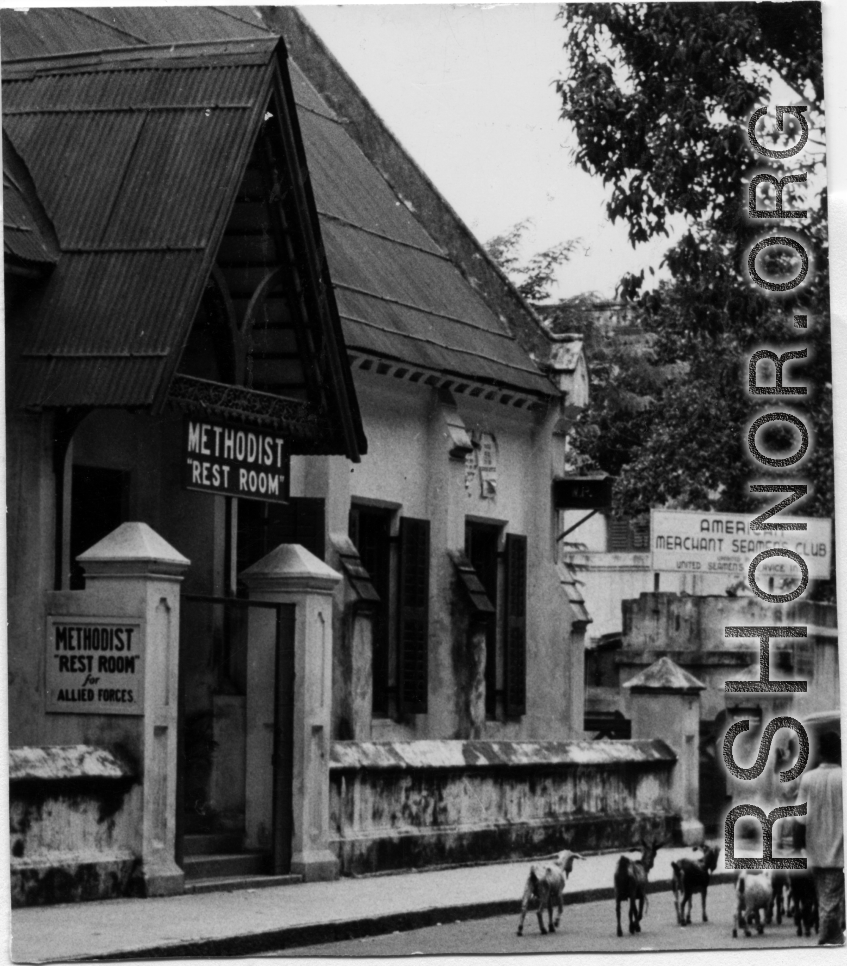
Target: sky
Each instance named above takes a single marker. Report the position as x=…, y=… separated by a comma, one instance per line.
x=469, y=91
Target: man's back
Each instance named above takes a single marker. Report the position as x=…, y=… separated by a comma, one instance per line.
x=821, y=790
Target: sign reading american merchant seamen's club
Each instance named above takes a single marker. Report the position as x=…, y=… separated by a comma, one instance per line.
x=94, y=665
x=723, y=543
x=226, y=458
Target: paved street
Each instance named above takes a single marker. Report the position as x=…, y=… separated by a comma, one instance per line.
x=586, y=927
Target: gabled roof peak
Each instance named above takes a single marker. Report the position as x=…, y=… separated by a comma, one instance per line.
x=665, y=675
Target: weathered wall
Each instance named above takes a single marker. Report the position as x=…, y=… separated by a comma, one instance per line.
x=75, y=816
x=415, y=804
x=690, y=630
x=408, y=468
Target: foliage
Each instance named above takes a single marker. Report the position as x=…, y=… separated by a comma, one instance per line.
x=659, y=96
x=534, y=277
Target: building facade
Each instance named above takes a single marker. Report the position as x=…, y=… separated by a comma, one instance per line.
x=240, y=319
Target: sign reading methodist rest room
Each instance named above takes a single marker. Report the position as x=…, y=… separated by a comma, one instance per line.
x=723, y=543
x=94, y=666
x=226, y=458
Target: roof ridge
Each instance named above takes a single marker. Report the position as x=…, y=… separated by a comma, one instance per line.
x=109, y=56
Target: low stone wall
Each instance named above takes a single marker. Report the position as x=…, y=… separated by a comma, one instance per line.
x=397, y=805
x=75, y=794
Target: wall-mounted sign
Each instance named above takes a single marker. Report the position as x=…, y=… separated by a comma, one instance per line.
x=471, y=468
x=94, y=665
x=487, y=466
x=723, y=543
x=583, y=492
x=226, y=458
x=481, y=466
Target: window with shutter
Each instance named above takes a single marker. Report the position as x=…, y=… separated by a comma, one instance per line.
x=413, y=607
x=481, y=542
x=514, y=616
x=626, y=535
x=641, y=535
x=370, y=531
x=618, y=534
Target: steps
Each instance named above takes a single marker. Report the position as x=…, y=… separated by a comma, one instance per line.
x=217, y=862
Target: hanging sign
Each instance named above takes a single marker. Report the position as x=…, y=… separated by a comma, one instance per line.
x=582, y=492
x=94, y=665
x=233, y=460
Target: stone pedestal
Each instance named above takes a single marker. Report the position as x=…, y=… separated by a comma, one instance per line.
x=133, y=564
x=292, y=575
x=665, y=703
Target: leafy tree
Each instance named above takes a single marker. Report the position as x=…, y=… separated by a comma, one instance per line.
x=534, y=277
x=659, y=97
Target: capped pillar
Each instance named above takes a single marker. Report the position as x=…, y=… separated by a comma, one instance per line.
x=133, y=565
x=292, y=575
x=665, y=703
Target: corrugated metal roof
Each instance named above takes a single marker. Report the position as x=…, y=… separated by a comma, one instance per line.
x=137, y=198
x=21, y=236
x=397, y=293
x=306, y=95
x=135, y=157
x=408, y=335
x=42, y=32
x=107, y=382
x=28, y=235
x=348, y=186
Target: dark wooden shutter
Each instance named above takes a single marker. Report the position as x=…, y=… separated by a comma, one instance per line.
x=413, y=608
x=619, y=534
x=515, y=625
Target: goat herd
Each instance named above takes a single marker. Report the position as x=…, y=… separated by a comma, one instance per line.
x=760, y=896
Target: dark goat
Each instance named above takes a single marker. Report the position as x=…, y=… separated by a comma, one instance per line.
x=689, y=877
x=801, y=893
x=631, y=884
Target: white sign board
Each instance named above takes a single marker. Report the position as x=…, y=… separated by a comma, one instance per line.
x=94, y=665
x=690, y=541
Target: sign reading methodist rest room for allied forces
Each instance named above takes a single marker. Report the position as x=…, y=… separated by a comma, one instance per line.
x=94, y=666
x=234, y=460
x=723, y=543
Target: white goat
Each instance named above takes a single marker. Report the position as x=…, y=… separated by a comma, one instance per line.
x=546, y=883
x=753, y=896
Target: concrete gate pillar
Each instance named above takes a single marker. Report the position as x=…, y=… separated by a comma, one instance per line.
x=134, y=568
x=665, y=703
x=292, y=575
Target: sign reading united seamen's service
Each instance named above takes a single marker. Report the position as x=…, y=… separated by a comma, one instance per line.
x=94, y=666
x=225, y=458
x=723, y=543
